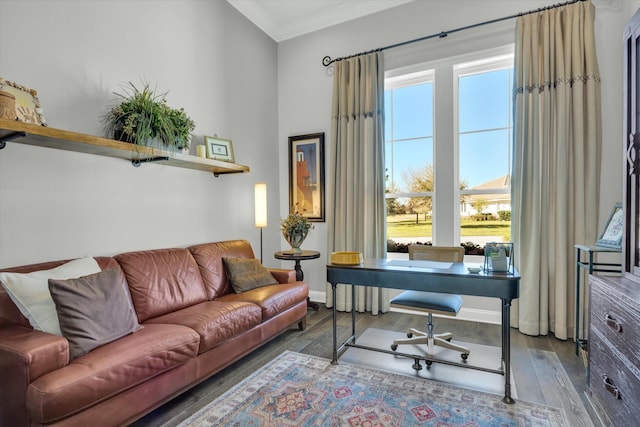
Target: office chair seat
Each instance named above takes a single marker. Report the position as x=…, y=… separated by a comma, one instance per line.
x=431, y=302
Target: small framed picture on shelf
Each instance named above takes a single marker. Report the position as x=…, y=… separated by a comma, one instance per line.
x=219, y=148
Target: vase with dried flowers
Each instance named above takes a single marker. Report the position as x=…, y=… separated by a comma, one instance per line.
x=295, y=228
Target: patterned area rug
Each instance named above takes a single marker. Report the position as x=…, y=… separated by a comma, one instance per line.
x=302, y=390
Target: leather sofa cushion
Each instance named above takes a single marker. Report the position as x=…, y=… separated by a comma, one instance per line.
x=215, y=321
x=162, y=281
x=209, y=258
x=109, y=370
x=272, y=299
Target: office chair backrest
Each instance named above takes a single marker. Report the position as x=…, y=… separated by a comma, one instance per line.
x=436, y=253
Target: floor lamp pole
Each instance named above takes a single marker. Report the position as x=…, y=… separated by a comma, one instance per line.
x=260, y=245
x=260, y=191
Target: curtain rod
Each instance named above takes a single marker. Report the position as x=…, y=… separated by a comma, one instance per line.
x=326, y=61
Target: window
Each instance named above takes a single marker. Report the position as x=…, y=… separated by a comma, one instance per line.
x=484, y=149
x=448, y=152
x=409, y=154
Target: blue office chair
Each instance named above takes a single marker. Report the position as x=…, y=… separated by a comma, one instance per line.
x=431, y=302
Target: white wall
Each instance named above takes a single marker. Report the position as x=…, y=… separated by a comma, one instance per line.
x=305, y=85
x=235, y=82
x=214, y=63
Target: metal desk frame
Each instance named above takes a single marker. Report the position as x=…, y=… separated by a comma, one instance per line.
x=456, y=280
x=591, y=267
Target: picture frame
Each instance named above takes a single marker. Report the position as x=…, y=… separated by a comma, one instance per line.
x=611, y=236
x=28, y=108
x=306, y=176
x=219, y=148
x=498, y=257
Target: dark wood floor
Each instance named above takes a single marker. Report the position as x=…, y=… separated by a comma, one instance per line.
x=317, y=338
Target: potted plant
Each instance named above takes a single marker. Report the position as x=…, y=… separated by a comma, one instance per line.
x=295, y=228
x=144, y=118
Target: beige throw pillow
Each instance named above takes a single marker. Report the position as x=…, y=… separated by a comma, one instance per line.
x=247, y=273
x=93, y=310
x=30, y=291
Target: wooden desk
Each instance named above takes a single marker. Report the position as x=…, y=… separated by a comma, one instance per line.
x=386, y=273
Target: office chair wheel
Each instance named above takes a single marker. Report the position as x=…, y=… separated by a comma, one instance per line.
x=416, y=365
x=428, y=363
x=464, y=356
x=394, y=347
x=409, y=335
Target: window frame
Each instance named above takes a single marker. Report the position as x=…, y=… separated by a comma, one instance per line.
x=444, y=73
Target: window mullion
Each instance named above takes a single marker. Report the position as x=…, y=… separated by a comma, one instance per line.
x=445, y=215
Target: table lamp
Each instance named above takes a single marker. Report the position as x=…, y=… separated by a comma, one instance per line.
x=260, y=191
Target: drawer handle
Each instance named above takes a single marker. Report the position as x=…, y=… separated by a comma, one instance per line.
x=631, y=161
x=610, y=387
x=613, y=323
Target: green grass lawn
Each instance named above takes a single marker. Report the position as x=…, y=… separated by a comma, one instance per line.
x=405, y=226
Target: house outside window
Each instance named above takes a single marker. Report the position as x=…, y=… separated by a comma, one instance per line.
x=448, y=137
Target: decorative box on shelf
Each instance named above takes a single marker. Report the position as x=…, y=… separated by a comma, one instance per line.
x=498, y=257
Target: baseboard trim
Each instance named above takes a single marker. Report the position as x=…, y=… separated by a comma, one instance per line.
x=317, y=296
x=469, y=314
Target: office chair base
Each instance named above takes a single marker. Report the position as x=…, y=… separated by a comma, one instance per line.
x=440, y=340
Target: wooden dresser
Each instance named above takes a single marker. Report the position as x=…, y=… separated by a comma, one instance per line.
x=614, y=350
x=614, y=318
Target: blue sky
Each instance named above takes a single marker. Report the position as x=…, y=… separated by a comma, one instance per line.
x=484, y=106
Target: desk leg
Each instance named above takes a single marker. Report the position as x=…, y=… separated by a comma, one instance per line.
x=506, y=350
x=577, y=327
x=353, y=314
x=335, y=325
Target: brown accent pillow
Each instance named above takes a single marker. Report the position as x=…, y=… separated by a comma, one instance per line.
x=247, y=273
x=93, y=310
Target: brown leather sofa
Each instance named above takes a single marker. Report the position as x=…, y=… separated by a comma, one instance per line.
x=194, y=325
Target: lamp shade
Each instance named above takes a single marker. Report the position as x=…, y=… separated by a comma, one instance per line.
x=260, y=190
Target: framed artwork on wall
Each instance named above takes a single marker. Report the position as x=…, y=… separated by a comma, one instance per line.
x=306, y=176
x=219, y=148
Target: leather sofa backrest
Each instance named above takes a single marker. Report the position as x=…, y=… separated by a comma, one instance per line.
x=209, y=258
x=9, y=313
x=162, y=281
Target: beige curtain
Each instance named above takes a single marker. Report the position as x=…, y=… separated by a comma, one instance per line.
x=356, y=205
x=556, y=161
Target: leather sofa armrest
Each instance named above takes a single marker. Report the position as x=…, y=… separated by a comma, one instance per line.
x=283, y=275
x=25, y=355
x=34, y=352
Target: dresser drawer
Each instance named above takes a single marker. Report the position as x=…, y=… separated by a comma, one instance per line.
x=617, y=315
x=614, y=381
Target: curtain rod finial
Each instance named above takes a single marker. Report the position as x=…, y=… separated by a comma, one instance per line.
x=326, y=61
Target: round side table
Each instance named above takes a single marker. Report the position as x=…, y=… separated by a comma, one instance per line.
x=297, y=257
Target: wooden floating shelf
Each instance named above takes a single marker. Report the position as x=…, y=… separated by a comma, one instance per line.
x=41, y=136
